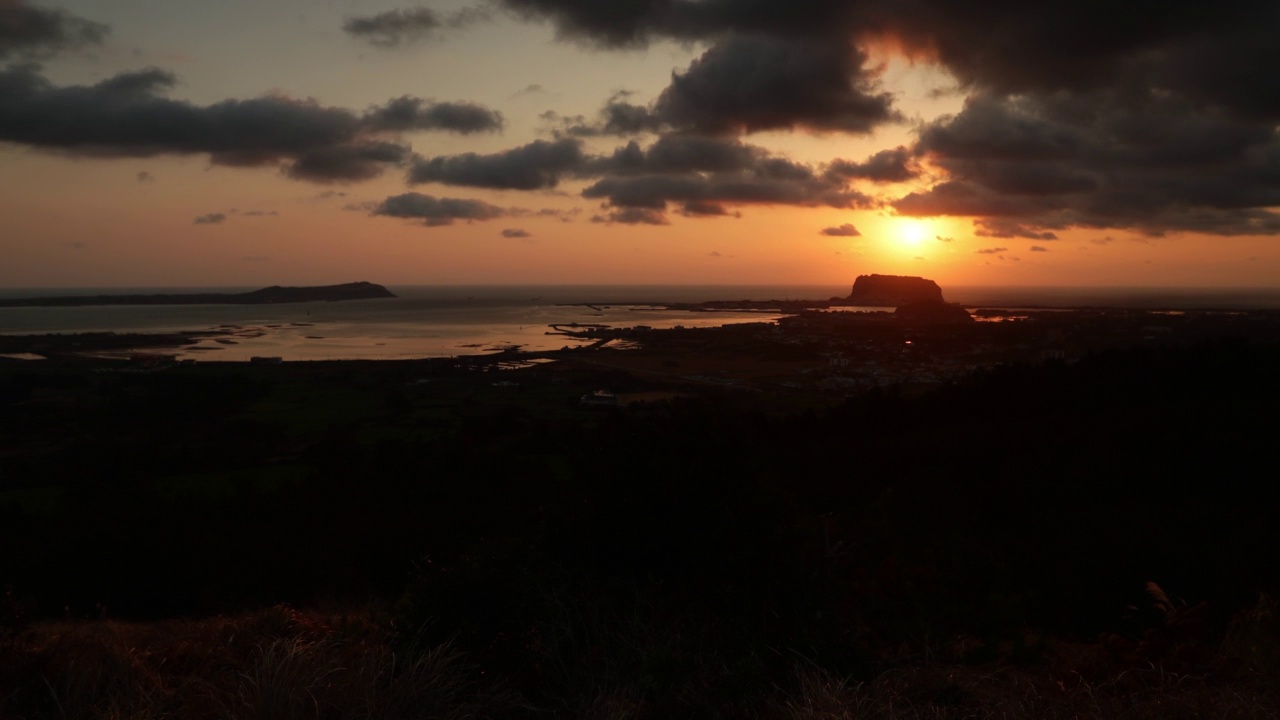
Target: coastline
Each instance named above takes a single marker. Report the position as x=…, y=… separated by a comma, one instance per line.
x=455, y=321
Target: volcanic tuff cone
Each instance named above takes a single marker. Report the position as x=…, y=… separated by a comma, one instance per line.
x=893, y=290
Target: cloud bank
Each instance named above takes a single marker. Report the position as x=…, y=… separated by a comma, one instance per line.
x=128, y=115
x=699, y=175
x=1160, y=119
x=436, y=212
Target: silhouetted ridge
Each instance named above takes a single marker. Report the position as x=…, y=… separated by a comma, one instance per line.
x=268, y=295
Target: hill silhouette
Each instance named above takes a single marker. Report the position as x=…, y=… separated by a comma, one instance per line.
x=269, y=295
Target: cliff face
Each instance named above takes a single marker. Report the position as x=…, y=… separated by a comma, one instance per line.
x=273, y=294
x=892, y=290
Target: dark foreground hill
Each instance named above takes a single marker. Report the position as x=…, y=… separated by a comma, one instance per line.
x=983, y=550
x=269, y=295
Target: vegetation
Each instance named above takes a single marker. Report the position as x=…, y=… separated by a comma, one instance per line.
x=1039, y=541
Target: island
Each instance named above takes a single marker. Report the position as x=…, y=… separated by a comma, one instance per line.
x=266, y=296
x=891, y=290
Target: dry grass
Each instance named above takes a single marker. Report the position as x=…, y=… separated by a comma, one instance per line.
x=1059, y=689
x=280, y=664
x=277, y=664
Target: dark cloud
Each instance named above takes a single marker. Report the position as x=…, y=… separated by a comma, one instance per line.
x=411, y=113
x=1149, y=145
x=128, y=115
x=940, y=238
x=754, y=82
x=704, y=174
x=561, y=215
x=655, y=191
x=211, y=219
x=262, y=213
x=991, y=251
x=632, y=216
x=1159, y=119
x=955, y=197
x=538, y=165
x=996, y=44
x=435, y=211
x=1039, y=248
x=1005, y=228
x=1221, y=55
x=634, y=23
x=700, y=175
x=125, y=115
x=1138, y=159
x=145, y=177
x=617, y=118
x=886, y=166
x=623, y=23
x=686, y=154
x=39, y=32
x=391, y=28
x=348, y=163
x=1020, y=48
x=402, y=27
x=697, y=208
x=845, y=230
x=515, y=233
x=748, y=83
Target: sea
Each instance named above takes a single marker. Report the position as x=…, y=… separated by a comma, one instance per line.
x=450, y=321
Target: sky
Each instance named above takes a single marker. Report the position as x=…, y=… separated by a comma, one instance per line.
x=241, y=143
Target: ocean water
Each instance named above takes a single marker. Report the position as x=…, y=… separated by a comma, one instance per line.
x=421, y=322
x=436, y=321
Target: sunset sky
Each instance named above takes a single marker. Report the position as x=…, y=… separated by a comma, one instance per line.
x=242, y=143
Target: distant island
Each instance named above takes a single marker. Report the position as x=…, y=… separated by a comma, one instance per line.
x=868, y=291
x=891, y=290
x=266, y=296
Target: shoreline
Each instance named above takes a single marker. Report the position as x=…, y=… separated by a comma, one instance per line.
x=145, y=346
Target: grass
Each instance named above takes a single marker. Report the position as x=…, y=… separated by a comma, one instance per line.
x=944, y=692
x=282, y=664
x=275, y=664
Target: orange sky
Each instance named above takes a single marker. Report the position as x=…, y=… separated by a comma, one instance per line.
x=127, y=216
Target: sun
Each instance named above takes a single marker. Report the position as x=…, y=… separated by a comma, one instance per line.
x=911, y=232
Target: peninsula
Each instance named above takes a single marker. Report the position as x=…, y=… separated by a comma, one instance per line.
x=266, y=296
